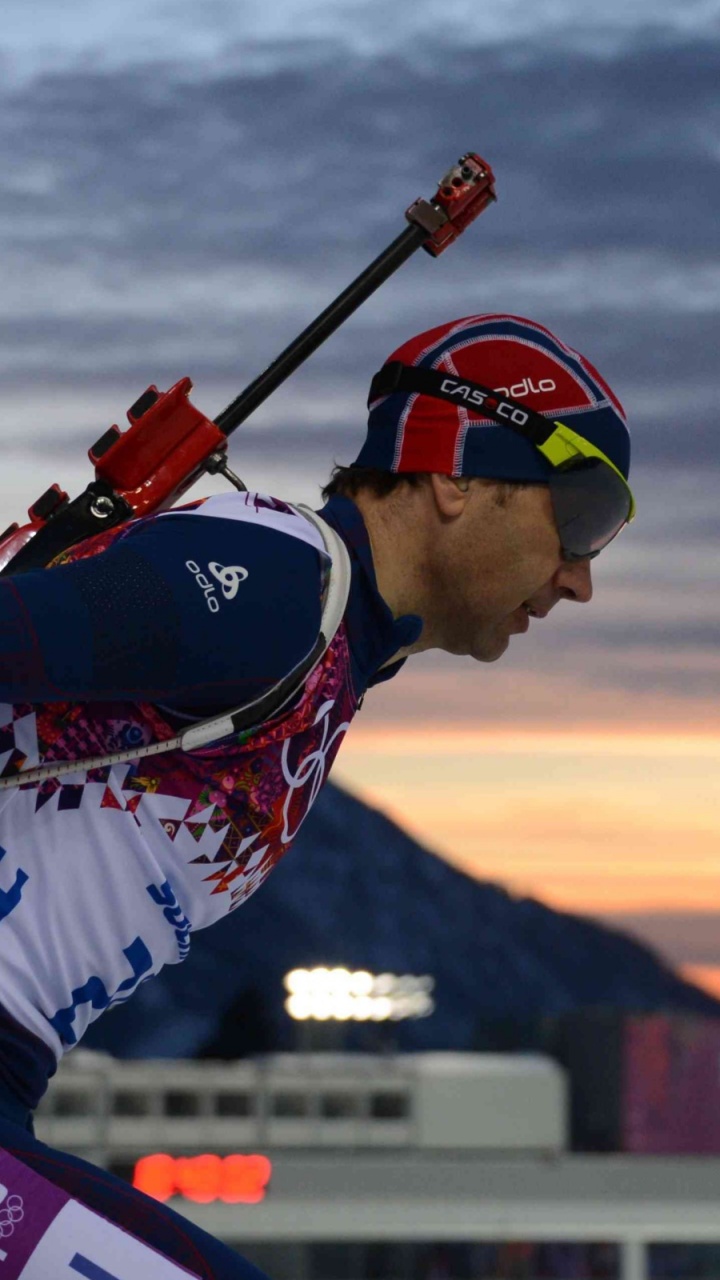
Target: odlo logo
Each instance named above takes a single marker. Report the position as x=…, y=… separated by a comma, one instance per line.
x=527, y=387
x=229, y=578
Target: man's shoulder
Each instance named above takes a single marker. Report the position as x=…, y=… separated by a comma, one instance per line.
x=257, y=511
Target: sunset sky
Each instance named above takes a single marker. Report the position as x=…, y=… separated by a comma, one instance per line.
x=184, y=187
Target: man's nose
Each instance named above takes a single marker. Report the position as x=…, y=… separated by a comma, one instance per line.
x=574, y=581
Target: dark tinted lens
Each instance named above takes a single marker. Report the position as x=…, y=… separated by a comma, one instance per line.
x=591, y=505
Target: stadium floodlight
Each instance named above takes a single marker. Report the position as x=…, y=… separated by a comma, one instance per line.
x=340, y=995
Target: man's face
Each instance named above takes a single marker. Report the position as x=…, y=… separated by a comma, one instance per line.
x=501, y=566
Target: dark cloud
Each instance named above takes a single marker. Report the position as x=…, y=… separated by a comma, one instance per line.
x=678, y=635
x=637, y=656
x=295, y=161
x=158, y=161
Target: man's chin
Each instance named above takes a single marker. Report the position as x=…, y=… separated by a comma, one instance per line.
x=491, y=652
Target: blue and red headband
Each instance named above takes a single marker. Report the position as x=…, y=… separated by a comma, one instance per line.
x=410, y=431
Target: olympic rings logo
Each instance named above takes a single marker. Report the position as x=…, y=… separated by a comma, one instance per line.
x=12, y=1212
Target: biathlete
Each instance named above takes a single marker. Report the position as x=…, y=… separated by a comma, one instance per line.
x=495, y=468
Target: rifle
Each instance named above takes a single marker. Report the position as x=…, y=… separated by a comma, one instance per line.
x=170, y=443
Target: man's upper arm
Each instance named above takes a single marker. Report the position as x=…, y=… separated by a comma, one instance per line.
x=198, y=614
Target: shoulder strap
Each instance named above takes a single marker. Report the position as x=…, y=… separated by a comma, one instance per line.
x=253, y=714
x=249, y=716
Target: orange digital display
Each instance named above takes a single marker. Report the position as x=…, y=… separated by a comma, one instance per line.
x=232, y=1179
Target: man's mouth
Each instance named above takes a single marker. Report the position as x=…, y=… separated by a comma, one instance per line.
x=522, y=620
x=524, y=613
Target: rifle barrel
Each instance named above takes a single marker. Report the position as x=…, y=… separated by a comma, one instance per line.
x=326, y=323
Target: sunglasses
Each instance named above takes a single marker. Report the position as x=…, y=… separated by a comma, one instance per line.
x=592, y=501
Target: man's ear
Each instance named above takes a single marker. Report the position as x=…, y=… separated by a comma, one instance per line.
x=450, y=494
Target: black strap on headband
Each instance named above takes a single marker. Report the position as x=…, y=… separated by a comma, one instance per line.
x=481, y=400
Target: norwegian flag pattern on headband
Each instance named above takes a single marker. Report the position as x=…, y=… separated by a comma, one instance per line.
x=416, y=432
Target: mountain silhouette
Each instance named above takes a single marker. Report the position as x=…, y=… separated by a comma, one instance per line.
x=357, y=891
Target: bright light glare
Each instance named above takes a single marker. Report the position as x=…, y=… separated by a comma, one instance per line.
x=296, y=981
x=361, y=983
x=382, y=1009
x=337, y=994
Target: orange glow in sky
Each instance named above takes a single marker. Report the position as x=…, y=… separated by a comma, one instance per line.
x=706, y=976
x=589, y=820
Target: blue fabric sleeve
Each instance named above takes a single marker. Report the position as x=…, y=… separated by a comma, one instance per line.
x=138, y=623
